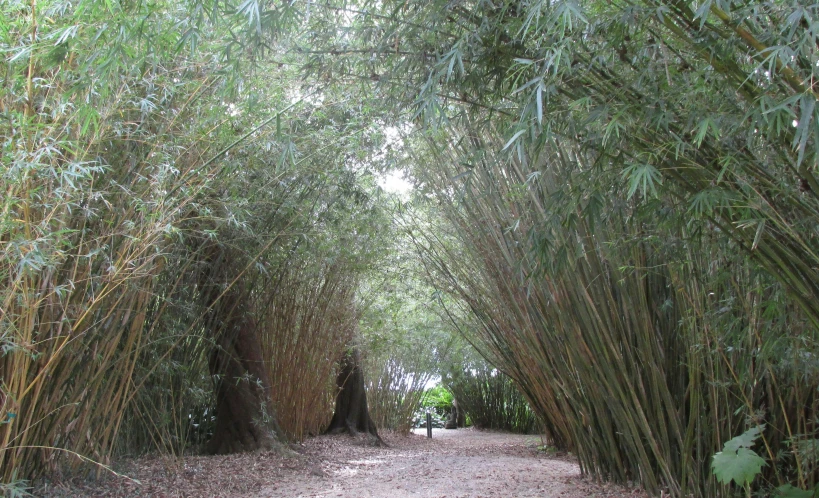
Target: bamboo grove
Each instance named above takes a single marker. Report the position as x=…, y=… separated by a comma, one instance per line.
x=158, y=193
x=631, y=206
x=615, y=202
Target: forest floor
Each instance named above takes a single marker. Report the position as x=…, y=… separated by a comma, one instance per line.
x=454, y=463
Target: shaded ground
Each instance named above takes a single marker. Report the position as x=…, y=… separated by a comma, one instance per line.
x=454, y=463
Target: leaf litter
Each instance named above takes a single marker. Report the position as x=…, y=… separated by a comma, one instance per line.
x=453, y=464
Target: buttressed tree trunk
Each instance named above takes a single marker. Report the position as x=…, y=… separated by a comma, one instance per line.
x=244, y=417
x=352, y=414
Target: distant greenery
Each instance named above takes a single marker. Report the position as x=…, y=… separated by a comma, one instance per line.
x=490, y=399
x=406, y=336
x=438, y=398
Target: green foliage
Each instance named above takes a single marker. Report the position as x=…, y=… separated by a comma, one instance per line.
x=99, y=143
x=642, y=177
x=737, y=462
x=789, y=491
x=489, y=398
x=15, y=488
x=643, y=328
x=616, y=204
x=137, y=141
x=406, y=336
x=438, y=398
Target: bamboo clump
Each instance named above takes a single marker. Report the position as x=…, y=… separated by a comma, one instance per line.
x=638, y=352
x=490, y=398
x=308, y=323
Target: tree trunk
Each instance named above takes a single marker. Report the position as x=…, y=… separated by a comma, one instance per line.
x=352, y=414
x=457, y=417
x=244, y=417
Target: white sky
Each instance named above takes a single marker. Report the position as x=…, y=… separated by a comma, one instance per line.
x=434, y=381
x=394, y=182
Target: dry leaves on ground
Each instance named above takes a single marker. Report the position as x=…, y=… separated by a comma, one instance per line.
x=454, y=463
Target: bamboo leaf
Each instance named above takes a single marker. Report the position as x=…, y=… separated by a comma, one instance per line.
x=804, y=128
x=642, y=177
x=758, y=236
x=533, y=81
x=513, y=139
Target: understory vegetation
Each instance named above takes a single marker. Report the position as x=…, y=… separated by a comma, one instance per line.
x=612, y=235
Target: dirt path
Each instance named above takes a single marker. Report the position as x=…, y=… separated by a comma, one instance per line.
x=462, y=463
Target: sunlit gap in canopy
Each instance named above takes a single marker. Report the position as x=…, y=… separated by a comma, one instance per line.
x=395, y=182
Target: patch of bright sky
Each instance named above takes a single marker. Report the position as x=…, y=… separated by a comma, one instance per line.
x=434, y=381
x=395, y=183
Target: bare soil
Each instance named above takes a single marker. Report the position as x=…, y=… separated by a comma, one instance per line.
x=454, y=463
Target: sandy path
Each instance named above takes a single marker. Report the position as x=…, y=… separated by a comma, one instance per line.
x=453, y=464
x=462, y=463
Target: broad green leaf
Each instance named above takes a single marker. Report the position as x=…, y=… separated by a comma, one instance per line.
x=744, y=440
x=740, y=466
x=737, y=462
